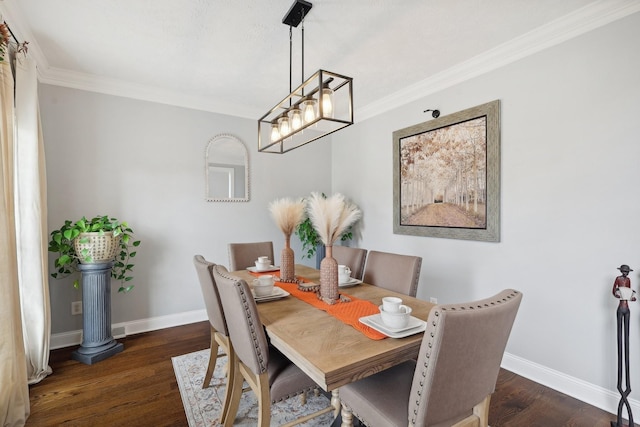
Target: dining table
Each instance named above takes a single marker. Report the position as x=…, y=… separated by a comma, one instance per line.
x=330, y=351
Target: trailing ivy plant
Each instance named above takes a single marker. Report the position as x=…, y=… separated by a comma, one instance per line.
x=66, y=263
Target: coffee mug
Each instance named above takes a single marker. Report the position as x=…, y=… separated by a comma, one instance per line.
x=391, y=304
x=266, y=280
x=343, y=269
x=263, y=263
x=263, y=286
x=398, y=319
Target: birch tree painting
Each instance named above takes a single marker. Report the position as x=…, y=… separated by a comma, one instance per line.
x=443, y=176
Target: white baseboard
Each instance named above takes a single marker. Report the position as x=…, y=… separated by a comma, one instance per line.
x=121, y=330
x=597, y=396
x=594, y=395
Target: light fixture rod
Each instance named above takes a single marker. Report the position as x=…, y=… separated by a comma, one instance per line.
x=302, y=67
x=290, y=60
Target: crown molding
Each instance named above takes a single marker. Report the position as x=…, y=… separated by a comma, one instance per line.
x=583, y=20
x=88, y=82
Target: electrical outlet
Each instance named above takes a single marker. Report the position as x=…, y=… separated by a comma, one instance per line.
x=76, y=307
x=433, y=300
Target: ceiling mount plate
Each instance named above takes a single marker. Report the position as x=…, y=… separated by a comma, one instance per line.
x=299, y=9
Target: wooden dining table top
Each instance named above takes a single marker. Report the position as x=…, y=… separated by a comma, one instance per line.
x=331, y=352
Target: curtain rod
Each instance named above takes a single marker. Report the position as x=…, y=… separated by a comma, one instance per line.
x=21, y=47
x=11, y=32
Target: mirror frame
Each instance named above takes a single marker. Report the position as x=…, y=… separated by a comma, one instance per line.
x=210, y=144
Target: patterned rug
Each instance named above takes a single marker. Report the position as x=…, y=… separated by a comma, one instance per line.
x=203, y=406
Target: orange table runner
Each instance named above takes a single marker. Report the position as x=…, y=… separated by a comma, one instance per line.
x=347, y=312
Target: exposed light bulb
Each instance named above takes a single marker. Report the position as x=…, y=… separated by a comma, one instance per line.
x=309, y=109
x=296, y=118
x=275, y=133
x=327, y=102
x=283, y=123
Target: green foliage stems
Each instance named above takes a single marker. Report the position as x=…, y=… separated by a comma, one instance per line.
x=66, y=263
x=310, y=239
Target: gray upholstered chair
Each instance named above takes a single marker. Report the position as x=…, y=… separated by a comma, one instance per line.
x=399, y=273
x=219, y=333
x=353, y=258
x=454, y=376
x=271, y=376
x=243, y=255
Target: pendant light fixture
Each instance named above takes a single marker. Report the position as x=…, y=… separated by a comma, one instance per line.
x=321, y=105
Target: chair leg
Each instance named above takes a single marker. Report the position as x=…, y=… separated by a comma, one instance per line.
x=236, y=390
x=481, y=410
x=213, y=357
x=231, y=378
x=480, y=416
x=347, y=417
x=264, y=401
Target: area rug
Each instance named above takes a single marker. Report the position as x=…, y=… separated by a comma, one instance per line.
x=203, y=406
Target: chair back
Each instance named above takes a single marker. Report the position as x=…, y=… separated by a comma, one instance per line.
x=210, y=294
x=245, y=329
x=399, y=273
x=243, y=255
x=459, y=359
x=353, y=258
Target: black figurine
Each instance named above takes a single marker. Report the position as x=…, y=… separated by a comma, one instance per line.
x=622, y=290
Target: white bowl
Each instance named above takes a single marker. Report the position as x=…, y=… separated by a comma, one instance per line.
x=397, y=320
x=343, y=278
x=261, y=266
x=262, y=290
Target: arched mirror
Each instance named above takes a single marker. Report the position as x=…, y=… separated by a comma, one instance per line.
x=227, y=170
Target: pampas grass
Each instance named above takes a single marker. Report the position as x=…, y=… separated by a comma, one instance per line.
x=287, y=213
x=331, y=216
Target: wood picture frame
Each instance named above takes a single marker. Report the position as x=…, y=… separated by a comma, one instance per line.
x=446, y=176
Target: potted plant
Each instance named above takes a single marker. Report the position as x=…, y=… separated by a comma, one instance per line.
x=99, y=240
x=311, y=241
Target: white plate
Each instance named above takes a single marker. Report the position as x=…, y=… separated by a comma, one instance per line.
x=375, y=321
x=255, y=269
x=349, y=283
x=277, y=293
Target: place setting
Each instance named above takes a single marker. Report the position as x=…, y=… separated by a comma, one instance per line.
x=264, y=289
x=263, y=265
x=344, y=277
x=395, y=319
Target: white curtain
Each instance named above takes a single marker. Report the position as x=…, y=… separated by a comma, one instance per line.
x=14, y=391
x=31, y=222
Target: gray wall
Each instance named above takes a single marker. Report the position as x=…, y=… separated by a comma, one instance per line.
x=569, y=178
x=144, y=163
x=570, y=206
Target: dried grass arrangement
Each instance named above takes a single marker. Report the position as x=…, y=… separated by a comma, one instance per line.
x=287, y=214
x=330, y=217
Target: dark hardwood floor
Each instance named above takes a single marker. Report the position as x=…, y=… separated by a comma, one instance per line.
x=138, y=388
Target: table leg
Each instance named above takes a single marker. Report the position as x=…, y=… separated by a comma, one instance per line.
x=347, y=417
x=335, y=402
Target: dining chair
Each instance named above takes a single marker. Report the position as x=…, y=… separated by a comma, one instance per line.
x=218, y=324
x=353, y=258
x=399, y=273
x=454, y=376
x=243, y=255
x=271, y=376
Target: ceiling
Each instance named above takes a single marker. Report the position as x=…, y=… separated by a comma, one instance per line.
x=232, y=56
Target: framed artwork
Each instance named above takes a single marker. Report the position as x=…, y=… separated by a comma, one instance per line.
x=446, y=176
